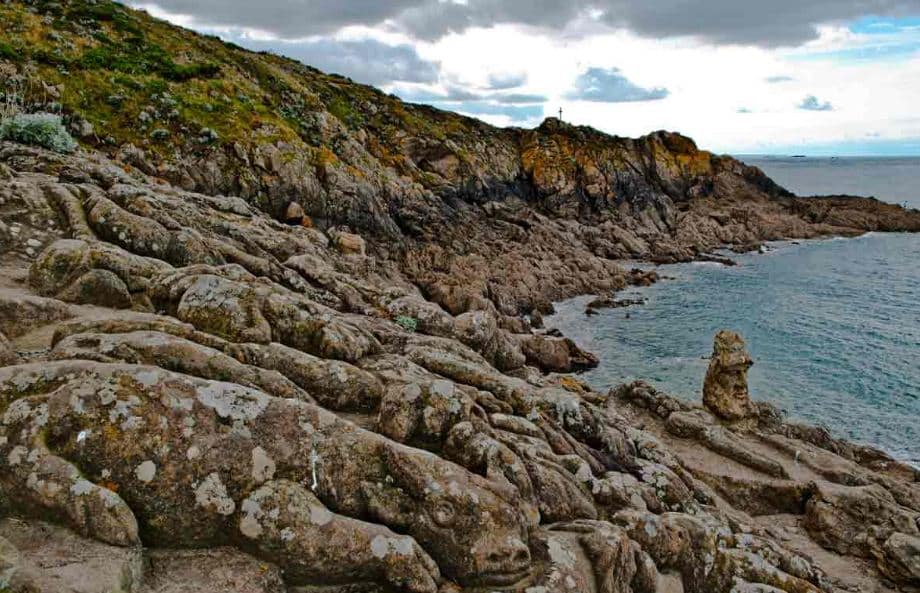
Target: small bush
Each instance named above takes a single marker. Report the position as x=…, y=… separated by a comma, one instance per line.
x=136, y=56
x=38, y=129
x=8, y=52
x=407, y=323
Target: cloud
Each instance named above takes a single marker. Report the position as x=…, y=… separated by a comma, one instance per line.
x=516, y=113
x=519, y=98
x=777, y=79
x=366, y=60
x=610, y=86
x=811, y=103
x=744, y=110
x=767, y=24
x=454, y=94
x=501, y=82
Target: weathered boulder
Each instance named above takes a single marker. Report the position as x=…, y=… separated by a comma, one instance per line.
x=92, y=273
x=231, y=303
x=176, y=353
x=555, y=354
x=21, y=312
x=335, y=384
x=7, y=353
x=725, y=389
x=349, y=243
x=51, y=558
x=294, y=213
x=98, y=287
x=900, y=558
x=214, y=570
x=868, y=522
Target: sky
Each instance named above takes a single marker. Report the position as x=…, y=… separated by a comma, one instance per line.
x=816, y=77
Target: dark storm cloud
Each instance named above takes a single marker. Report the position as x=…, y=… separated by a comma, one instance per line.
x=286, y=18
x=811, y=103
x=610, y=86
x=770, y=24
x=365, y=60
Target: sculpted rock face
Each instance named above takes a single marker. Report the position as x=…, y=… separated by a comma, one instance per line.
x=278, y=454
x=725, y=389
x=270, y=414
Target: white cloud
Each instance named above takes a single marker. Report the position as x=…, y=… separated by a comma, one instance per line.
x=730, y=98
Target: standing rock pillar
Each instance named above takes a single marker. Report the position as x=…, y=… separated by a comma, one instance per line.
x=725, y=389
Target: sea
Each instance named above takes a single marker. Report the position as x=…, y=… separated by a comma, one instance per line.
x=833, y=324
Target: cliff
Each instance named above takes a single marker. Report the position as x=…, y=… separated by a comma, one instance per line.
x=198, y=396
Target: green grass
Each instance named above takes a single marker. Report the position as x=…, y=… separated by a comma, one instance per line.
x=97, y=52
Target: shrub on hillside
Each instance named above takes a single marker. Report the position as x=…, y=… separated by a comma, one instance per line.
x=409, y=324
x=38, y=129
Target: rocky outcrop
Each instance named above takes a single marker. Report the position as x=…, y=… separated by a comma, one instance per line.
x=274, y=408
x=477, y=217
x=844, y=505
x=725, y=389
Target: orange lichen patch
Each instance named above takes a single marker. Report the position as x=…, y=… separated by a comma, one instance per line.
x=108, y=485
x=570, y=383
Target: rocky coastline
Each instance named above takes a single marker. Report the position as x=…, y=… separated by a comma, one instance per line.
x=198, y=397
x=282, y=334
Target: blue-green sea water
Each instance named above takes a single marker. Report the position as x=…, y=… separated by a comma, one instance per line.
x=833, y=325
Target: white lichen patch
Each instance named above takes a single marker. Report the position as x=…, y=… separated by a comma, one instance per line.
x=263, y=467
x=411, y=392
x=560, y=553
x=146, y=471
x=382, y=546
x=233, y=401
x=192, y=453
x=148, y=378
x=22, y=411
x=651, y=526
x=106, y=396
x=17, y=455
x=320, y=515
x=251, y=521
x=82, y=487
x=211, y=494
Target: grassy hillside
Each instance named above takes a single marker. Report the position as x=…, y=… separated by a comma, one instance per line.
x=140, y=80
x=213, y=117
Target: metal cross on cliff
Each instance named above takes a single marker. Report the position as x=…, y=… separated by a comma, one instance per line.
x=560, y=114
